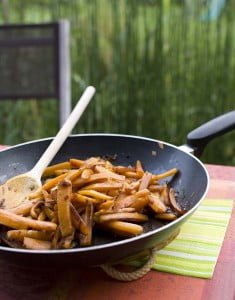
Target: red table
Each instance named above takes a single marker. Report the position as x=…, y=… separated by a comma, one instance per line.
x=94, y=284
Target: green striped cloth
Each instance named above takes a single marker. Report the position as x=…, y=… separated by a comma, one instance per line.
x=196, y=249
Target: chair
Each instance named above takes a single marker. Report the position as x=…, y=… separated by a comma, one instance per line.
x=35, y=63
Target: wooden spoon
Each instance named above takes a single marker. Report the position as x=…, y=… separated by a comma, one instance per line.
x=16, y=189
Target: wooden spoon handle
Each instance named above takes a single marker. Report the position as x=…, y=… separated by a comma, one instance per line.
x=63, y=133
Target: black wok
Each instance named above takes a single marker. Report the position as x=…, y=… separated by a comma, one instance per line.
x=191, y=185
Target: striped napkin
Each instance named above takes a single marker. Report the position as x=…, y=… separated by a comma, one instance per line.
x=196, y=249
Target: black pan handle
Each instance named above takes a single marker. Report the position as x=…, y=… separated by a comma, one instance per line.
x=201, y=136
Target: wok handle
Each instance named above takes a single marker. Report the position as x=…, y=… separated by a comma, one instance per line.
x=201, y=136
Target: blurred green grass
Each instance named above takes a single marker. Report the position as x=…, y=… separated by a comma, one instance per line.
x=158, y=69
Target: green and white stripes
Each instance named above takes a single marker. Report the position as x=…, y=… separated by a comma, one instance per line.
x=196, y=249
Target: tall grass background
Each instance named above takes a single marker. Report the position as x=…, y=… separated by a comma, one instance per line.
x=159, y=69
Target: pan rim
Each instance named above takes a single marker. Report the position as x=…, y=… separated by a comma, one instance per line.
x=120, y=242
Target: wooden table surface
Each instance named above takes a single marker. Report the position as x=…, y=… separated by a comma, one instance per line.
x=94, y=284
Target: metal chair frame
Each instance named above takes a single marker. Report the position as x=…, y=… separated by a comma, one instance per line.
x=60, y=41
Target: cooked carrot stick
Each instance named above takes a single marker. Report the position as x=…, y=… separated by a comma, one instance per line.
x=64, y=195
x=18, y=222
x=49, y=171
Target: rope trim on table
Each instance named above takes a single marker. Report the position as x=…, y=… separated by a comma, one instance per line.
x=140, y=272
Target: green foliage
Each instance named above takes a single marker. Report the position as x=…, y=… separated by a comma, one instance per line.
x=158, y=69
